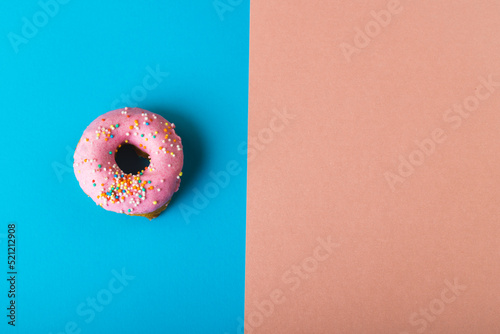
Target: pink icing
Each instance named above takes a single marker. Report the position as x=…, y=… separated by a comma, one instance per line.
x=152, y=134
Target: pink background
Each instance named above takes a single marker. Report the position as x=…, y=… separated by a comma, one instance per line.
x=397, y=247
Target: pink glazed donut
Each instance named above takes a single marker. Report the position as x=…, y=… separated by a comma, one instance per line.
x=146, y=193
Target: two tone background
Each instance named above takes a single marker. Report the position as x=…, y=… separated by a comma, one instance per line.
x=366, y=140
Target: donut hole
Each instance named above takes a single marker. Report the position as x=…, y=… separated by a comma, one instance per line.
x=131, y=159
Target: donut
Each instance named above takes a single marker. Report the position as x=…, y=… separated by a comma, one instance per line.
x=145, y=193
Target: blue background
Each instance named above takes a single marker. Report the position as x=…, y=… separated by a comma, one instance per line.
x=189, y=273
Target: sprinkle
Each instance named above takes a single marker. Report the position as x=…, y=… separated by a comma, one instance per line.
x=155, y=202
x=110, y=152
x=142, y=135
x=180, y=174
x=99, y=166
x=117, y=125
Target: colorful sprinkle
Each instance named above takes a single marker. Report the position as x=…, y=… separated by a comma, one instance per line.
x=128, y=189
